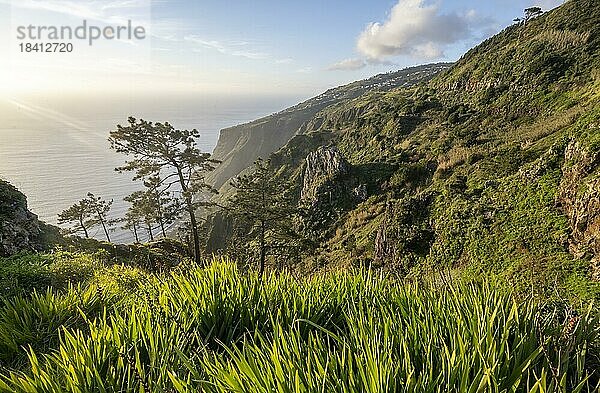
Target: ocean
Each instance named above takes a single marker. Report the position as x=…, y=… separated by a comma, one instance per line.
x=55, y=150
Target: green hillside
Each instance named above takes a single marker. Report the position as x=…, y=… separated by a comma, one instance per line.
x=492, y=167
x=240, y=145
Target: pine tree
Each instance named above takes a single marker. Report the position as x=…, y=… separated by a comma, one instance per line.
x=264, y=207
x=143, y=210
x=132, y=221
x=79, y=215
x=86, y=214
x=532, y=12
x=99, y=209
x=166, y=205
x=152, y=209
x=159, y=150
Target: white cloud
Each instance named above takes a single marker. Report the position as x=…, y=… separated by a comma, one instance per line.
x=232, y=48
x=418, y=29
x=287, y=60
x=213, y=44
x=250, y=54
x=348, y=65
x=304, y=70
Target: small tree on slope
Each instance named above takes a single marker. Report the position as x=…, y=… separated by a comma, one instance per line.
x=86, y=214
x=264, y=207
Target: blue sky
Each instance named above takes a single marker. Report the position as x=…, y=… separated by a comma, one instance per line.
x=246, y=47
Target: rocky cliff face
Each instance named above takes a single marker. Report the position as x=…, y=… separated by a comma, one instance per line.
x=405, y=232
x=238, y=147
x=579, y=196
x=19, y=228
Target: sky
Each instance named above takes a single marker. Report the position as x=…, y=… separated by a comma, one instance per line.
x=243, y=47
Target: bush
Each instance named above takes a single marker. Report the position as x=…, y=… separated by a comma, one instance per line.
x=120, y=279
x=23, y=273
x=72, y=268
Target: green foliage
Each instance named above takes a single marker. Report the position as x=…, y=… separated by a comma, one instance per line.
x=36, y=321
x=68, y=269
x=120, y=279
x=158, y=256
x=263, y=210
x=216, y=330
x=407, y=232
x=410, y=177
x=511, y=229
x=462, y=176
x=10, y=198
x=155, y=206
x=488, y=138
x=85, y=214
x=23, y=273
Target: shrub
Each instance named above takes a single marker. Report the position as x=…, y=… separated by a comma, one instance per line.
x=72, y=268
x=120, y=279
x=23, y=273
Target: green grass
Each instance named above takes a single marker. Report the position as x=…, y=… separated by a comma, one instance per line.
x=215, y=329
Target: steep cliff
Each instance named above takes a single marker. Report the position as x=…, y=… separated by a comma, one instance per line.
x=238, y=147
x=323, y=167
x=579, y=197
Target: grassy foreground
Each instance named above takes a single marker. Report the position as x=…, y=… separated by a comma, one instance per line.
x=216, y=329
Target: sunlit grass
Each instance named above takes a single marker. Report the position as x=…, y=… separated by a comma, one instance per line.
x=215, y=329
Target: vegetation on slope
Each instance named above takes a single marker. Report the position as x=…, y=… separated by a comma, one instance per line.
x=490, y=169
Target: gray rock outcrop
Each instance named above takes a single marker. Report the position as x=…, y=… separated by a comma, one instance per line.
x=579, y=197
x=323, y=167
x=19, y=228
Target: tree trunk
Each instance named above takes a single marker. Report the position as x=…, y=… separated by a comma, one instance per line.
x=193, y=222
x=87, y=236
x=160, y=216
x=104, y=227
x=262, y=235
x=262, y=248
x=162, y=228
x=135, y=233
x=195, y=236
x=150, y=235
